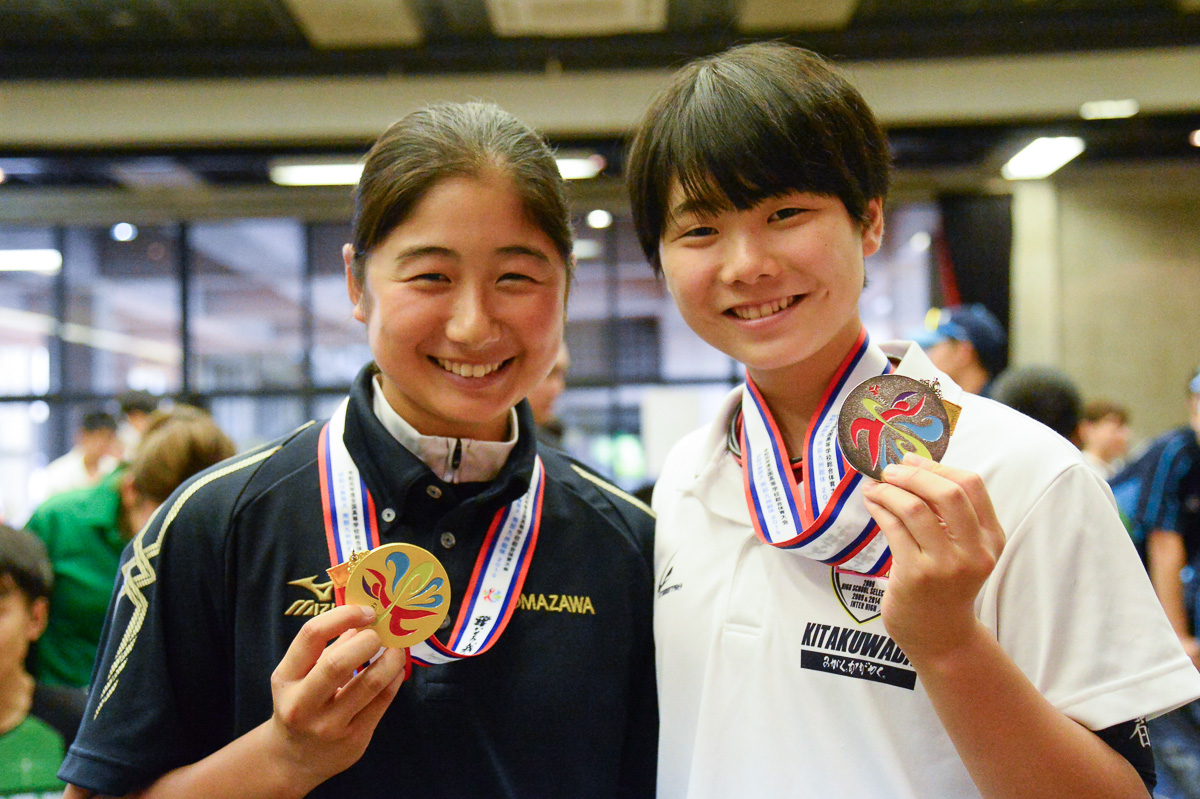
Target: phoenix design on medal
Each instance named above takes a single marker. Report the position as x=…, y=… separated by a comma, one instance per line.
x=406, y=593
x=896, y=429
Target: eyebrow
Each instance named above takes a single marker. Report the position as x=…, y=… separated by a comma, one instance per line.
x=429, y=249
x=521, y=249
x=690, y=205
x=435, y=250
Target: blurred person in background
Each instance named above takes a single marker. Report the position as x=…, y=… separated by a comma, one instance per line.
x=1159, y=494
x=1104, y=436
x=1044, y=393
x=86, y=530
x=544, y=397
x=137, y=409
x=968, y=343
x=37, y=721
x=96, y=453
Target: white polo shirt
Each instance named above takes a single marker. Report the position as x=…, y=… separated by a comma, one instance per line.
x=776, y=675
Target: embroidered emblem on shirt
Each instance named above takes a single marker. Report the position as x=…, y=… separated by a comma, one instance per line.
x=312, y=607
x=665, y=585
x=860, y=594
x=556, y=603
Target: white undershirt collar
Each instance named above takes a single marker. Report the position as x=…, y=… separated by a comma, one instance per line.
x=477, y=461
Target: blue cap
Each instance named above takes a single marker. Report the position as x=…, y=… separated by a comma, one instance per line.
x=976, y=324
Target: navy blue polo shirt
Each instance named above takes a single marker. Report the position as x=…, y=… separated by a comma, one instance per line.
x=215, y=589
x=1160, y=490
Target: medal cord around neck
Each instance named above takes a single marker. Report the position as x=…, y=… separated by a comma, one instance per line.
x=733, y=439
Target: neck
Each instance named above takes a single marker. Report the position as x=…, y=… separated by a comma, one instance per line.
x=16, y=697
x=793, y=393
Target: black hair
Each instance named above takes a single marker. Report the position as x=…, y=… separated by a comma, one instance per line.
x=24, y=560
x=1044, y=393
x=137, y=400
x=98, y=420
x=456, y=140
x=756, y=121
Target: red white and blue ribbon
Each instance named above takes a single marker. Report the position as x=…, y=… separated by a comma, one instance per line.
x=500, y=569
x=823, y=517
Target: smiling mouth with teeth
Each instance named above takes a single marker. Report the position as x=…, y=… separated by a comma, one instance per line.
x=766, y=309
x=469, y=369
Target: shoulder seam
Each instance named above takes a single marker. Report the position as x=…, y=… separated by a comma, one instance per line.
x=612, y=489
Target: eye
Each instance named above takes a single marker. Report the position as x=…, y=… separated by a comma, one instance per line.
x=698, y=232
x=518, y=277
x=429, y=277
x=786, y=213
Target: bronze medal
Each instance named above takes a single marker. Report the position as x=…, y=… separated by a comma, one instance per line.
x=886, y=417
x=407, y=588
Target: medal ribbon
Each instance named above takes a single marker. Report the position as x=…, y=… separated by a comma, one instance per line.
x=500, y=569
x=824, y=517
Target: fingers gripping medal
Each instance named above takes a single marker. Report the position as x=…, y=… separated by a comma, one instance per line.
x=407, y=588
x=888, y=416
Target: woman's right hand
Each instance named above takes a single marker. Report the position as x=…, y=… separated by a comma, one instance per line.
x=325, y=713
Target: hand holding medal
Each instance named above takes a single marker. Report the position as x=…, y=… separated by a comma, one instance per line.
x=938, y=520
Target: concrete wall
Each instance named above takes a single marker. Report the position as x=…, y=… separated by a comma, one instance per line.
x=1106, y=283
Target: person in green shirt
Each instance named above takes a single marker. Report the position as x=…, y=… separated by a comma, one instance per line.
x=86, y=530
x=37, y=722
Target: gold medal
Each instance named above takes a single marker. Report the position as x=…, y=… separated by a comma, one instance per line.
x=407, y=588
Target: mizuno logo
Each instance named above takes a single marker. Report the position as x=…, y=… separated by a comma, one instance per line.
x=323, y=591
x=312, y=607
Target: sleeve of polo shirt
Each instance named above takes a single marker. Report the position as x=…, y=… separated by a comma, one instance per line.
x=1072, y=605
x=159, y=698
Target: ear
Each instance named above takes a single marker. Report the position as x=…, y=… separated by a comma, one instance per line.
x=872, y=237
x=39, y=614
x=353, y=289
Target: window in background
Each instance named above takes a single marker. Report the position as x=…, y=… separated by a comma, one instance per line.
x=30, y=265
x=339, y=340
x=251, y=421
x=246, y=305
x=121, y=323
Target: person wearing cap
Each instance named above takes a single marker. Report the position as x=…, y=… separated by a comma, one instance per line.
x=37, y=721
x=968, y=343
x=1159, y=493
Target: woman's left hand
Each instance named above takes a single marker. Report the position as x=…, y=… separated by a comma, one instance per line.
x=945, y=541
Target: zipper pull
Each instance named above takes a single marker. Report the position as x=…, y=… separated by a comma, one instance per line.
x=456, y=456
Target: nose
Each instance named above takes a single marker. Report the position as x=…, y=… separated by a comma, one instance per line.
x=472, y=323
x=745, y=260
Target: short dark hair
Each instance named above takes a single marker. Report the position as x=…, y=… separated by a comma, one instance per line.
x=756, y=121
x=1098, y=410
x=24, y=560
x=1044, y=393
x=456, y=140
x=137, y=400
x=94, y=421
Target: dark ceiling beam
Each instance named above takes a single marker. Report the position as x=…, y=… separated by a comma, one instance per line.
x=863, y=41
